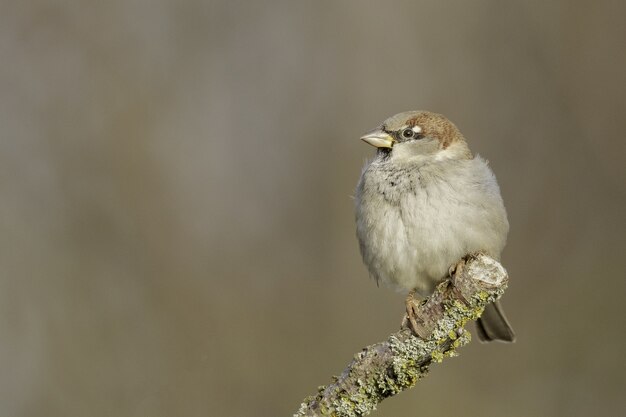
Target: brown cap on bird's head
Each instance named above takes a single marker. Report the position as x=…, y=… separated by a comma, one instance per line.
x=436, y=126
x=430, y=124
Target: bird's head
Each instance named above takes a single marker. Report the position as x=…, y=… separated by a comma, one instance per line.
x=418, y=135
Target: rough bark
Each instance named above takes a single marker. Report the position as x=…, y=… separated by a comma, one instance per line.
x=384, y=369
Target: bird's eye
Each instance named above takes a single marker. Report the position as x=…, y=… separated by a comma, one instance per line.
x=408, y=133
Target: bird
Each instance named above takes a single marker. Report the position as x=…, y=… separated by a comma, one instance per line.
x=422, y=203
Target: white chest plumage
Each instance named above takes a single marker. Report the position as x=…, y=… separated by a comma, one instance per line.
x=416, y=220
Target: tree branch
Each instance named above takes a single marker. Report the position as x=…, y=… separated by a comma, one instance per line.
x=384, y=369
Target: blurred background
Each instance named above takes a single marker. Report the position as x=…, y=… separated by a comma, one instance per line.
x=176, y=221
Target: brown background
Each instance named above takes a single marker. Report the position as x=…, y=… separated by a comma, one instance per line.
x=176, y=226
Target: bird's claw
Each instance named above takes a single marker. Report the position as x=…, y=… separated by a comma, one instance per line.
x=456, y=268
x=411, y=319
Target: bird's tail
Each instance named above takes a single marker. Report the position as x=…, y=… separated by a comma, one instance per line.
x=493, y=325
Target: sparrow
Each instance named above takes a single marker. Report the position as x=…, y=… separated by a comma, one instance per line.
x=422, y=203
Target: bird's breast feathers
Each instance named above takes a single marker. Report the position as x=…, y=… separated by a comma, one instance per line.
x=414, y=222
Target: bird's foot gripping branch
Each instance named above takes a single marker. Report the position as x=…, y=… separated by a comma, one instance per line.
x=384, y=369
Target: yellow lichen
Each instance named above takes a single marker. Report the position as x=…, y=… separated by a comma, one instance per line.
x=437, y=356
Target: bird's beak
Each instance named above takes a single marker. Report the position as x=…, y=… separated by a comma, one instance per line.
x=378, y=138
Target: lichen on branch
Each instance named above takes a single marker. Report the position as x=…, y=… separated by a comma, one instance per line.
x=384, y=369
